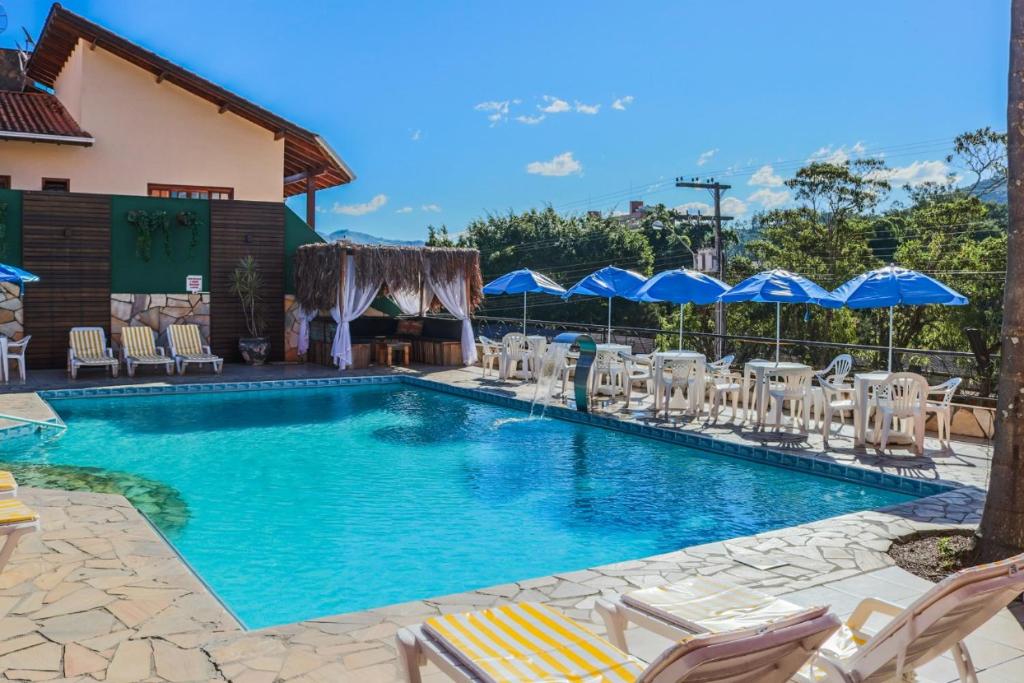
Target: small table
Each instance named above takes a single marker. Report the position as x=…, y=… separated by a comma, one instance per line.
x=761, y=369
x=862, y=383
x=659, y=361
x=385, y=352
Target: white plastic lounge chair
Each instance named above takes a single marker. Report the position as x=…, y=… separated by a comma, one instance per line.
x=532, y=642
x=139, y=348
x=187, y=347
x=491, y=354
x=16, y=353
x=935, y=623
x=943, y=408
x=8, y=485
x=16, y=521
x=88, y=348
x=901, y=397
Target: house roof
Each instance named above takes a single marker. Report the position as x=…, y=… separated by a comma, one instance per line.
x=304, y=151
x=38, y=117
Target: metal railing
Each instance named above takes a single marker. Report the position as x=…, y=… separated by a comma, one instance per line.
x=979, y=380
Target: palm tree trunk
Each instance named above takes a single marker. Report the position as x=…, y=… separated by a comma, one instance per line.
x=1002, y=523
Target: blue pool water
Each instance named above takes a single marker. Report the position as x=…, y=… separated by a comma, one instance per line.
x=310, y=502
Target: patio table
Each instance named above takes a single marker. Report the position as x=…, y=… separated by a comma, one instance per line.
x=696, y=405
x=760, y=370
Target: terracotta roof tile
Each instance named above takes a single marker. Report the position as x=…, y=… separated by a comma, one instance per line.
x=36, y=113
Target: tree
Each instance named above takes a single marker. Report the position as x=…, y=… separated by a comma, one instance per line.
x=983, y=153
x=1002, y=522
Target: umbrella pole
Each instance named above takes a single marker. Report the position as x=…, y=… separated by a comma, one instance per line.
x=524, y=312
x=891, y=311
x=681, y=326
x=608, y=335
x=778, y=329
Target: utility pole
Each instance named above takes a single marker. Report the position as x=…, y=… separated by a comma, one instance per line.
x=716, y=190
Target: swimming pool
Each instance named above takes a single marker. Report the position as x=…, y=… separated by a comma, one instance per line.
x=304, y=503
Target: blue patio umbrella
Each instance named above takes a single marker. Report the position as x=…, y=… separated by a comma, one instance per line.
x=609, y=282
x=15, y=274
x=682, y=286
x=893, y=286
x=523, y=281
x=779, y=287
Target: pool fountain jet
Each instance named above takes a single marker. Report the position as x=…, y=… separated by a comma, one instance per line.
x=588, y=349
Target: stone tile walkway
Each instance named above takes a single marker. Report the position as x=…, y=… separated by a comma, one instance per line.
x=99, y=595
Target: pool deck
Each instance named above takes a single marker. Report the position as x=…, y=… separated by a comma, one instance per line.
x=98, y=595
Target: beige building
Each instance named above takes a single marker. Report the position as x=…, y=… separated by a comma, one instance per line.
x=89, y=111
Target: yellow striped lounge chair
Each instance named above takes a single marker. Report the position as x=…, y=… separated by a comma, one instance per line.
x=88, y=348
x=935, y=624
x=187, y=347
x=532, y=642
x=8, y=486
x=16, y=521
x=139, y=348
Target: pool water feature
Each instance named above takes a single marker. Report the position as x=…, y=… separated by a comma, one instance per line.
x=304, y=503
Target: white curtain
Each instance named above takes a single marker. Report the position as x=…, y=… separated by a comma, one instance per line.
x=413, y=301
x=305, y=317
x=453, y=296
x=357, y=300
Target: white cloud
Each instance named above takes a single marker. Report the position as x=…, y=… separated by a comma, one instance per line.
x=765, y=176
x=733, y=207
x=531, y=120
x=360, y=209
x=431, y=208
x=705, y=157
x=838, y=155
x=561, y=165
x=587, y=108
x=416, y=135
x=497, y=110
x=913, y=174
x=770, y=199
x=621, y=103
x=554, y=105
x=404, y=209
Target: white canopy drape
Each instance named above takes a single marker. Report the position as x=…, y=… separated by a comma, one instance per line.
x=412, y=301
x=454, y=297
x=357, y=300
x=305, y=317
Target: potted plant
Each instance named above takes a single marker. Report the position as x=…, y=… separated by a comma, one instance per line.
x=246, y=282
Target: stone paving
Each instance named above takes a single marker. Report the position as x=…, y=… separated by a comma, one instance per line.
x=100, y=596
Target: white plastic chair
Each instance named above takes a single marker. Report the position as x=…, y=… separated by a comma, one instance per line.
x=901, y=397
x=836, y=373
x=942, y=408
x=513, y=356
x=535, y=348
x=491, y=354
x=796, y=388
x=723, y=384
x=606, y=374
x=835, y=398
x=16, y=352
x=639, y=369
x=678, y=374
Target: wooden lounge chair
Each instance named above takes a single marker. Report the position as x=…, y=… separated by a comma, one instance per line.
x=8, y=485
x=88, y=348
x=936, y=623
x=139, y=348
x=533, y=642
x=187, y=347
x=16, y=521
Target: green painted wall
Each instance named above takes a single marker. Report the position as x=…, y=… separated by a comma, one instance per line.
x=161, y=274
x=296, y=233
x=10, y=246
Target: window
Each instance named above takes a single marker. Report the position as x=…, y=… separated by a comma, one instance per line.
x=56, y=185
x=5, y=182
x=190, y=191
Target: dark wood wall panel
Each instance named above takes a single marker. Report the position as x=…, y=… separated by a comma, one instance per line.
x=237, y=229
x=66, y=242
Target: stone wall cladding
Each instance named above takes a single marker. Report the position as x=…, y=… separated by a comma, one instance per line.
x=12, y=316
x=158, y=311
x=291, y=329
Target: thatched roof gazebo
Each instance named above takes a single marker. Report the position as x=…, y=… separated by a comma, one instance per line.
x=344, y=278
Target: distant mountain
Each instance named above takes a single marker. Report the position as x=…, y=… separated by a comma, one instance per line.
x=364, y=238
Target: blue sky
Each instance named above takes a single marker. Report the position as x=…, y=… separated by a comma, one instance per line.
x=439, y=107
